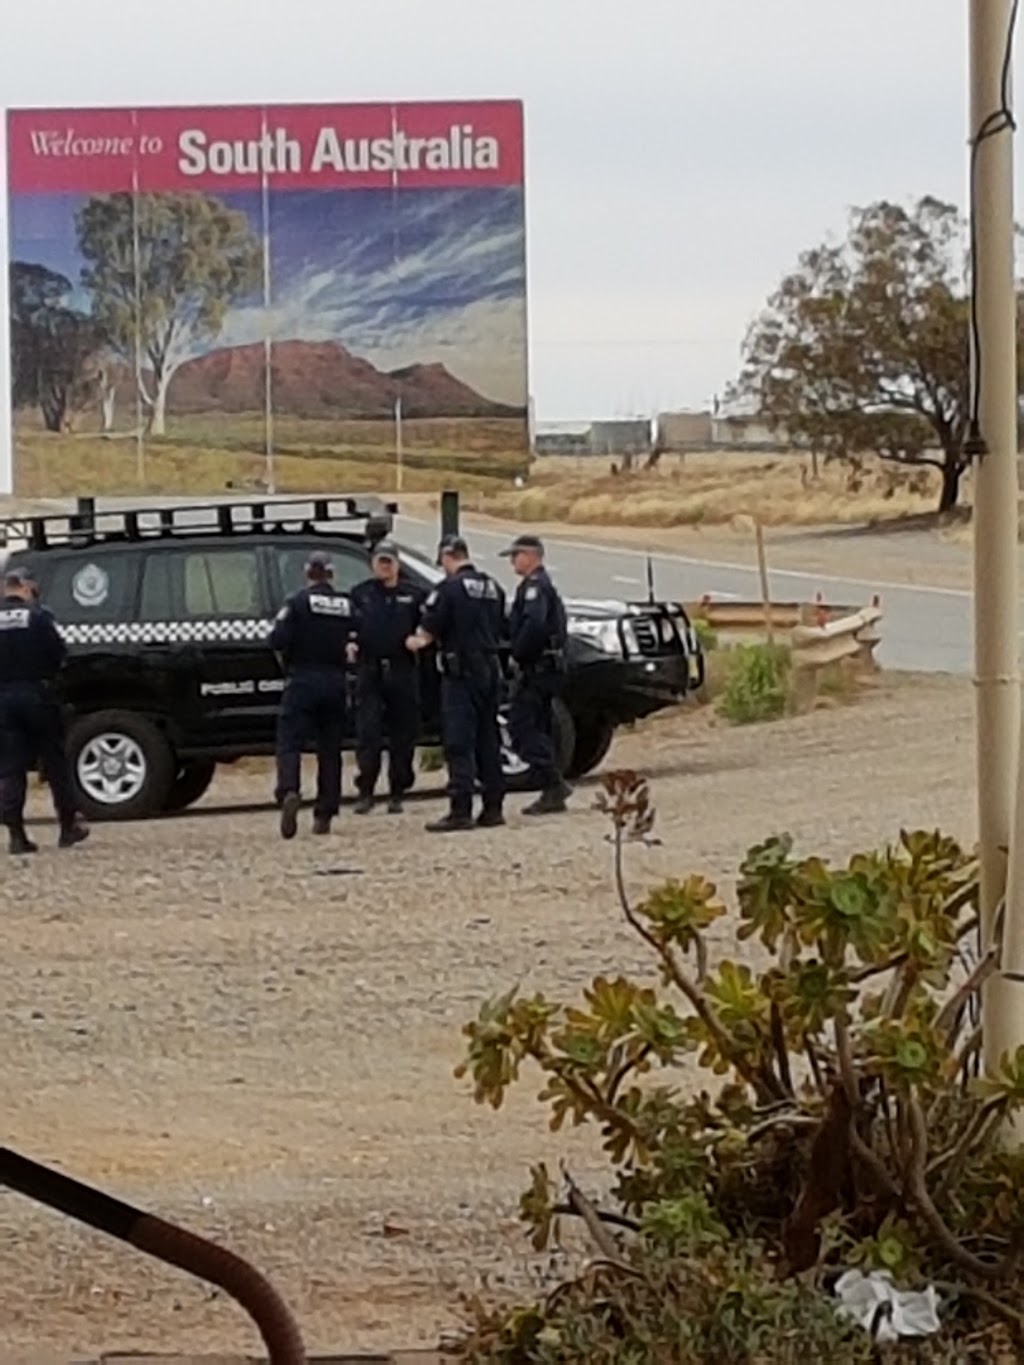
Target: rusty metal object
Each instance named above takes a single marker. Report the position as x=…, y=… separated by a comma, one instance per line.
x=166, y=1242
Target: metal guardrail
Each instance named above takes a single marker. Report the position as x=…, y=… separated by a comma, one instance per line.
x=818, y=633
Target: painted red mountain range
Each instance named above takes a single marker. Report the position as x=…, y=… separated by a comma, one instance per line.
x=321, y=379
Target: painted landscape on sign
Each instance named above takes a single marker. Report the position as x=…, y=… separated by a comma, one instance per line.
x=177, y=325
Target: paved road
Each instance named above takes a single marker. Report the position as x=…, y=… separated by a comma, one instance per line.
x=925, y=629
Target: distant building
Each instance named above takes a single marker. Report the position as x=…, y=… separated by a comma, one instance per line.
x=748, y=432
x=682, y=431
x=561, y=438
x=621, y=436
x=669, y=433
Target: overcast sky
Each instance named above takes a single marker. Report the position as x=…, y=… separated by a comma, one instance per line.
x=680, y=153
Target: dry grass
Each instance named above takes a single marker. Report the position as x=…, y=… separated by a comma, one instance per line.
x=204, y=454
x=709, y=490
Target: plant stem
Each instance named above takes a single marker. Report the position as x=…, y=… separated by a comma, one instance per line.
x=615, y=1083
x=899, y=989
x=918, y=1190
x=781, y=1049
x=812, y=1057
x=847, y=1074
x=948, y=1020
x=875, y=1165
x=615, y=1220
x=766, y=1087
x=863, y=974
x=603, y=1239
x=951, y=1160
x=982, y=1296
x=966, y=1053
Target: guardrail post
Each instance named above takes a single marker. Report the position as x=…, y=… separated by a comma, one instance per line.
x=449, y=513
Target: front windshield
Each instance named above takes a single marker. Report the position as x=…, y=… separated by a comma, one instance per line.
x=420, y=565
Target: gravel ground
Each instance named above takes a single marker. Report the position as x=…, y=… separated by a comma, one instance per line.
x=258, y=1038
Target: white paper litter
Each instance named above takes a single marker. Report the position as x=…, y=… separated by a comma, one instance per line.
x=888, y=1313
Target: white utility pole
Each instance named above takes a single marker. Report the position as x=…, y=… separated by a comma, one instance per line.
x=399, y=447
x=996, y=624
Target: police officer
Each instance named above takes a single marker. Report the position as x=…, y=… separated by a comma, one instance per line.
x=465, y=617
x=31, y=726
x=311, y=635
x=538, y=633
x=387, y=612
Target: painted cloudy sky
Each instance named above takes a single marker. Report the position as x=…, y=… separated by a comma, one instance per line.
x=399, y=278
x=420, y=275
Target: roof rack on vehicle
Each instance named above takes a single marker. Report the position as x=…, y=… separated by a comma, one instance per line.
x=89, y=525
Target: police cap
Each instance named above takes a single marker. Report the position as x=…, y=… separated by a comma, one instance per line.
x=525, y=542
x=386, y=549
x=320, y=561
x=453, y=545
x=19, y=578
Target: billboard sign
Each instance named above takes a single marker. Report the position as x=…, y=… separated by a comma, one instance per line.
x=300, y=297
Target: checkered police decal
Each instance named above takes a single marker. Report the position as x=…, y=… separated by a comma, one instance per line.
x=168, y=632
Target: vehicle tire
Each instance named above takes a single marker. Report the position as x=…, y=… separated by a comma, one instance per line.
x=519, y=777
x=192, y=783
x=122, y=766
x=594, y=735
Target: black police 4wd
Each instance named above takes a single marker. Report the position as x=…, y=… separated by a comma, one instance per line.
x=167, y=611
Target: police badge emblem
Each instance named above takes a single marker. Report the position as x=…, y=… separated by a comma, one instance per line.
x=91, y=586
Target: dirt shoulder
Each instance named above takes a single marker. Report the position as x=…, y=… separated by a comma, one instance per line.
x=258, y=1039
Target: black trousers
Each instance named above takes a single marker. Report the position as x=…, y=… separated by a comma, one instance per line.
x=31, y=731
x=530, y=724
x=387, y=712
x=312, y=714
x=472, y=741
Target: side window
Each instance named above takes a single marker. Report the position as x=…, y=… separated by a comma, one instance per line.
x=201, y=583
x=222, y=583
x=84, y=588
x=351, y=565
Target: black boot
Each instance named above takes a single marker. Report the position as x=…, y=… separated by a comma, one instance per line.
x=551, y=800
x=73, y=832
x=452, y=823
x=19, y=843
x=490, y=819
x=364, y=805
x=321, y=824
x=395, y=804
x=290, y=807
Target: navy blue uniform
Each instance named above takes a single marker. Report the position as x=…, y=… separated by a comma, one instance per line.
x=31, y=725
x=387, y=683
x=538, y=633
x=465, y=614
x=312, y=632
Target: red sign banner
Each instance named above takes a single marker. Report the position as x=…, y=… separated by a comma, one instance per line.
x=353, y=146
